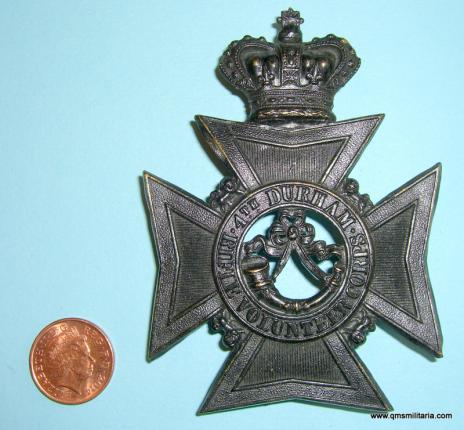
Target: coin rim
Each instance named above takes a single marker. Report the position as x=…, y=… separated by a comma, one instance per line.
x=33, y=348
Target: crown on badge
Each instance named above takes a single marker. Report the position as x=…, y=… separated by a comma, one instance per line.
x=290, y=79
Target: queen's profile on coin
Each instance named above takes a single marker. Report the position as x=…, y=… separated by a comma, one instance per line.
x=71, y=363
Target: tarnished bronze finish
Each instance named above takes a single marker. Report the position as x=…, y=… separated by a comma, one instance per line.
x=291, y=161
x=71, y=361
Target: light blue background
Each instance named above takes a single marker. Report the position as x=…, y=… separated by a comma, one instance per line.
x=94, y=92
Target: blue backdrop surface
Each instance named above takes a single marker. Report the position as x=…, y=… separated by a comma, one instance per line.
x=94, y=92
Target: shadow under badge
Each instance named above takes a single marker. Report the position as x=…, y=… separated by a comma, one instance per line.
x=291, y=160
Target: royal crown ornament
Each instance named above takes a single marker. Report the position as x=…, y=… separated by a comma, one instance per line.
x=290, y=164
x=291, y=79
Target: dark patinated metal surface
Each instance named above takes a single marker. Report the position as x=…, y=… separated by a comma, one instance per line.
x=291, y=159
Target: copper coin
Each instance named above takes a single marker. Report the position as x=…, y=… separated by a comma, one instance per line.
x=71, y=361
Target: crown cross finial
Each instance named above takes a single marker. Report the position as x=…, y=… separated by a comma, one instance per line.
x=290, y=22
x=290, y=17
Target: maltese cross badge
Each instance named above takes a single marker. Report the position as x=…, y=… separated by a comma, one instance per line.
x=290, y=162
